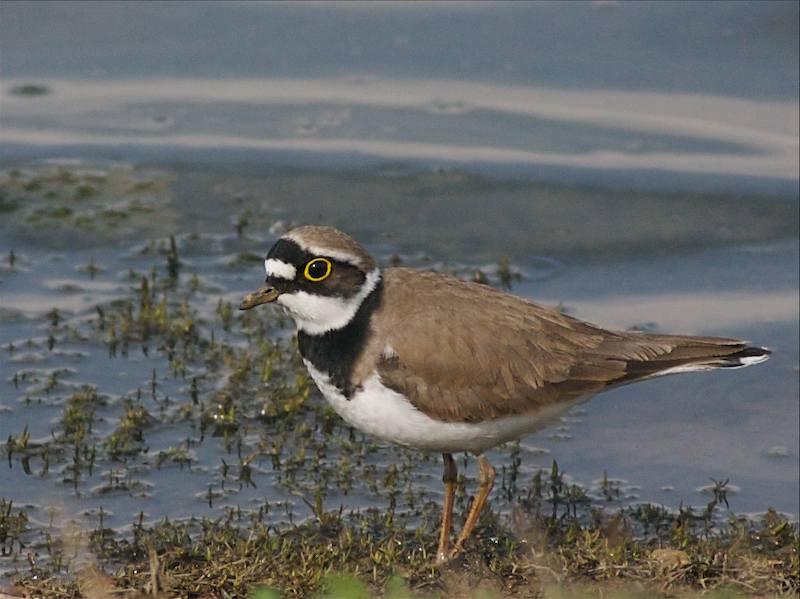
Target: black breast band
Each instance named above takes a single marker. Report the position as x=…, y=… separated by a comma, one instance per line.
x=335, y=352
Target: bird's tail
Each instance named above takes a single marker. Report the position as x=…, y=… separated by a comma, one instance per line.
x=657, y=355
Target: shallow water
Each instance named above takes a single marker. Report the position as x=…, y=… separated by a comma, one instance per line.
x=630, y=200
x=662, y=440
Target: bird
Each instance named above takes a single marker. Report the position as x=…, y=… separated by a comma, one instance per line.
x=435, y=363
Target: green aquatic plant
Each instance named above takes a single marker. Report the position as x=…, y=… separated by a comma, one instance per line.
x=7, y=205
x=506, y=274
x=173, y=261
x=128, y=436
x=180, y=455
x=242, y=221
x=79, y=415
x=83, y=192
x=225, y=313
x=13, y=526
x=17, y=444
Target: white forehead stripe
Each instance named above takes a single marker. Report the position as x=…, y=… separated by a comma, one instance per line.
x=279, y=269
x=321, y=251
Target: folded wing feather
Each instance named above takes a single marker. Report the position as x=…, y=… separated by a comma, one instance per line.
x=469, y=352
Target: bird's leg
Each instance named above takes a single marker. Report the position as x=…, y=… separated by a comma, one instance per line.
x=485, y=482
x=449, y=477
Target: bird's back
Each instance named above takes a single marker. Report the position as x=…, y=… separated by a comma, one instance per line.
x=465, y=352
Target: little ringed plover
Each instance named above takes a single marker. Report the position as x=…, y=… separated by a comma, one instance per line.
x=435, y=363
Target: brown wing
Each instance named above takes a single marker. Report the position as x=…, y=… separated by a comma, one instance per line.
x=463, y=352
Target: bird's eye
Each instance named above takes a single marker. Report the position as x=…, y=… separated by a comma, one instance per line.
x=318, y=269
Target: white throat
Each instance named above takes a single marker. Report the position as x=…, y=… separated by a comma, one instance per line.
x=318, y=314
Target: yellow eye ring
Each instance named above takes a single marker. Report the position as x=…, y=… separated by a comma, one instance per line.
x=314, y=265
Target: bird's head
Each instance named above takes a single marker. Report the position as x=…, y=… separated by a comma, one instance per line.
x=320, y=275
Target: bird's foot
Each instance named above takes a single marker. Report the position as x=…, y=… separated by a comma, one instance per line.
x=456, y=551
x=444, y=557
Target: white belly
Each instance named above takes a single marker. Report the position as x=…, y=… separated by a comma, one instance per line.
x=388, y=415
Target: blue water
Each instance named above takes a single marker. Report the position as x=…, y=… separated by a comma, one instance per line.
x=740, y=49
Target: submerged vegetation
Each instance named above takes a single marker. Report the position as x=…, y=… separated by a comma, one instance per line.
x=281, y=498
x=83, y=205
x=416, y=209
